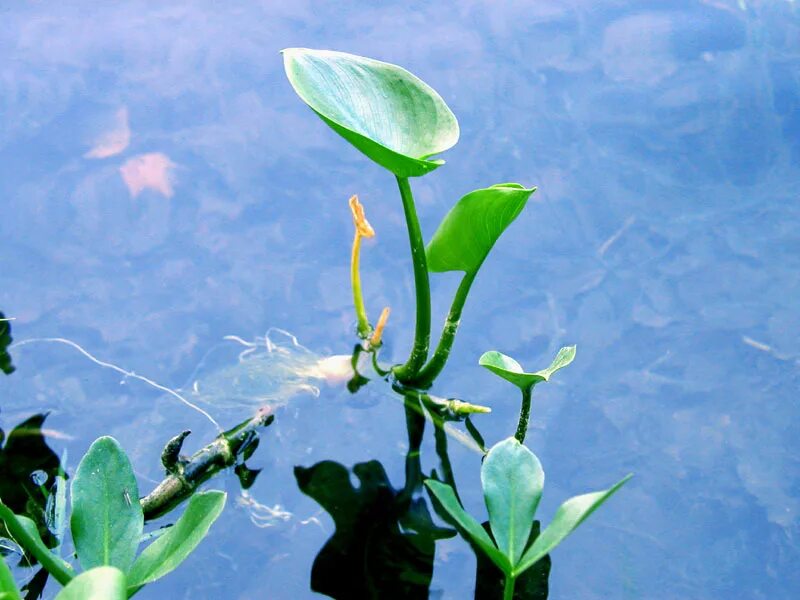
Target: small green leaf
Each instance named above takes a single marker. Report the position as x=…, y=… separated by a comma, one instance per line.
x=447, y=498
x=171, y=548
x=510, y=370
x=512, y=479
x=467, y=233
x=387, y=113
x=100, y=583
x=8, y=588
x=568, y=516
x=107, y=518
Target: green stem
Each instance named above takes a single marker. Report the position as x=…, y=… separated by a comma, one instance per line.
x=524, y=414
x=422, y=331
x=59, y=569
x=355, y=280
x=508, y=589
x=437, y=362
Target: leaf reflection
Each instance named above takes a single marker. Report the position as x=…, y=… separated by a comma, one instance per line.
x=531, y=585
x=5, y=341
x=28, y=474
x=384, y=542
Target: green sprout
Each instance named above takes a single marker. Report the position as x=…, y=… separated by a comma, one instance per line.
x=513, y=480
x=107, y=530
x=510, y=370
x=400, y=123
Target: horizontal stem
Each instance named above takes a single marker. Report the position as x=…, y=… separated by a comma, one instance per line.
x=185, y=476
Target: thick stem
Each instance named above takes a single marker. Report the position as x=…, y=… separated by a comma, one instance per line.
x=355, y=280
x=437, y=362
x=185, y=476
x=524, y=414
x=59, y=569
x=508, y=589
x=422, y=330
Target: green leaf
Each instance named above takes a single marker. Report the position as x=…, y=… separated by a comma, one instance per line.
x=100, y=583
x=25, y=532
x=467, y=233
x=512, y=479
x=8, y=588
x=447, y=498
x=568, y=516
x=510, y=370
x=106, y=518
x=387, y=113
x=170, y=549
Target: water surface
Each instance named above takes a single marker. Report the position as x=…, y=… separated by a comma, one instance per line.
x=162, y=187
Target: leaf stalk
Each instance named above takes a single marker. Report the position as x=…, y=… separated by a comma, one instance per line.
x=422, y=331
x=524, y=414
x=437, y=362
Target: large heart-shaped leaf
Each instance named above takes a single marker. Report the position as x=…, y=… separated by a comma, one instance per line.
x=447, y=498
x=8, y=588
x=107, y=518
x=510, y=370
x=568, y=516
x=467, y=233
x=172, y=548
x=100, y=583
x=512, y=479
x=390, y=115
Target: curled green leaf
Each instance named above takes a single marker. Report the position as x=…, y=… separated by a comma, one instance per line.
x=510, y=370
x=469, y=231
x=387, y=113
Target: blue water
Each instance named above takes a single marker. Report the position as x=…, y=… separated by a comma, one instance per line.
x=162, y=187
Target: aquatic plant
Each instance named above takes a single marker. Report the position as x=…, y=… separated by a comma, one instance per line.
x=401, y=123
x=510, y=370
x=106, y=525
x=513, y=480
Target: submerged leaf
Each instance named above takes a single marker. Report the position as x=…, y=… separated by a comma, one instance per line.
x=467, y=233
x=512, y=479
x=26, y=452
x=510, y=370
x=387, y=113
x=107, y=518
x=568, y=516
x=100, y=583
